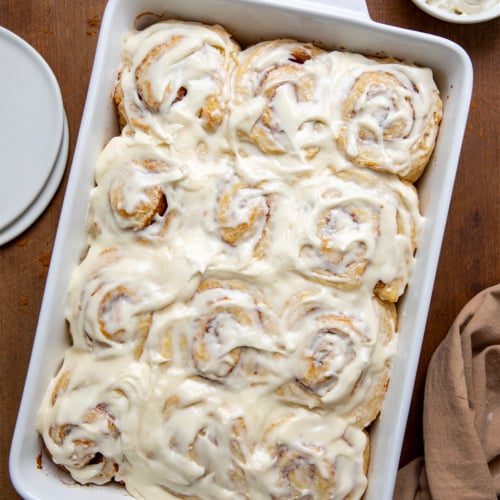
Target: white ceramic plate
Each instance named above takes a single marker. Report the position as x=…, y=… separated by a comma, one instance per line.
x=36, y=208
x=32, y=124
x=453, y=17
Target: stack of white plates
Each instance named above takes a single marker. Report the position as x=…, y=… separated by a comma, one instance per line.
x=33, y=135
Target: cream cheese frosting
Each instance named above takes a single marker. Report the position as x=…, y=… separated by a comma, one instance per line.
x=233, y=322
x=467, y=7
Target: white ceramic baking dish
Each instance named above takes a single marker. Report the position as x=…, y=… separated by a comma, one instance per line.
x=341, y=24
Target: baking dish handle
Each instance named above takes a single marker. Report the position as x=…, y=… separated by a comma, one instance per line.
x=356, y=8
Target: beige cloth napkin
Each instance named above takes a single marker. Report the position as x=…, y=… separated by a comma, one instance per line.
x=461, y=420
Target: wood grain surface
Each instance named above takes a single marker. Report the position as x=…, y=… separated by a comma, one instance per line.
x=65, y=33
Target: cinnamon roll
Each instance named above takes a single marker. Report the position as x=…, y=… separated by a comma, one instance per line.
x=277, y=92
x=173, y=76
x=83, y=413
x=230, y=332
x=242, y=214
x=362, y=229
x=391, y=114
x=341, y=358
x=196, y=444
x=114, y=295
x=307, y=455
x=135, y=194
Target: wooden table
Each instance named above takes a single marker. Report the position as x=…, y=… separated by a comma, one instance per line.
x=65, y=33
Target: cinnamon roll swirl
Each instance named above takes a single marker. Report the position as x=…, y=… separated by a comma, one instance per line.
x=114, y=295
x=84, y=411
x=362, y=229
x=242, y=215
x=231, y=332
x=307, y=455
x=391, y=114
x=173, y=76
x=203, y=448
x=341, y=358
x=277, y=92
x=135, y=195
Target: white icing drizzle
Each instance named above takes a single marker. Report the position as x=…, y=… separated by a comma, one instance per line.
x=233, y=322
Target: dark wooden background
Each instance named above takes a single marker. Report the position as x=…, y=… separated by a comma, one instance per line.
x=65, y=33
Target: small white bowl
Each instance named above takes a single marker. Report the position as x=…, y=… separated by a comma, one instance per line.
x=34, y=137
x=452, y=17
